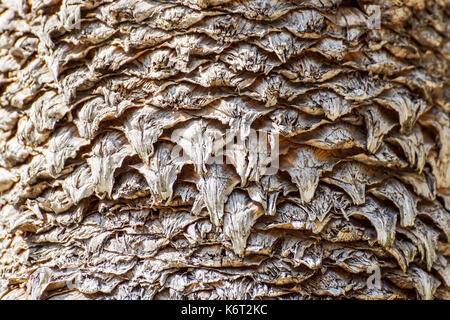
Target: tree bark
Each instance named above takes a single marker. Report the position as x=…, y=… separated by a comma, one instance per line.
x=208, y=149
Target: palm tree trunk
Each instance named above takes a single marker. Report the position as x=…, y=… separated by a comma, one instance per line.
x=204, y=149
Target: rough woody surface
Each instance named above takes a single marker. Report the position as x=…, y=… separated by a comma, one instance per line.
x=95, y=97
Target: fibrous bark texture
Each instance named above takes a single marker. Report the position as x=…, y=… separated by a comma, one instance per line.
x=115, y=116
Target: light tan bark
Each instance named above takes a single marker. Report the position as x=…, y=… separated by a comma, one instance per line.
x=99, y=98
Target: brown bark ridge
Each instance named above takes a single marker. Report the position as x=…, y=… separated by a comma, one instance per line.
x=99, y=98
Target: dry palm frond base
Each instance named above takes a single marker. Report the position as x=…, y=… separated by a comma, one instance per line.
x=97, y=99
